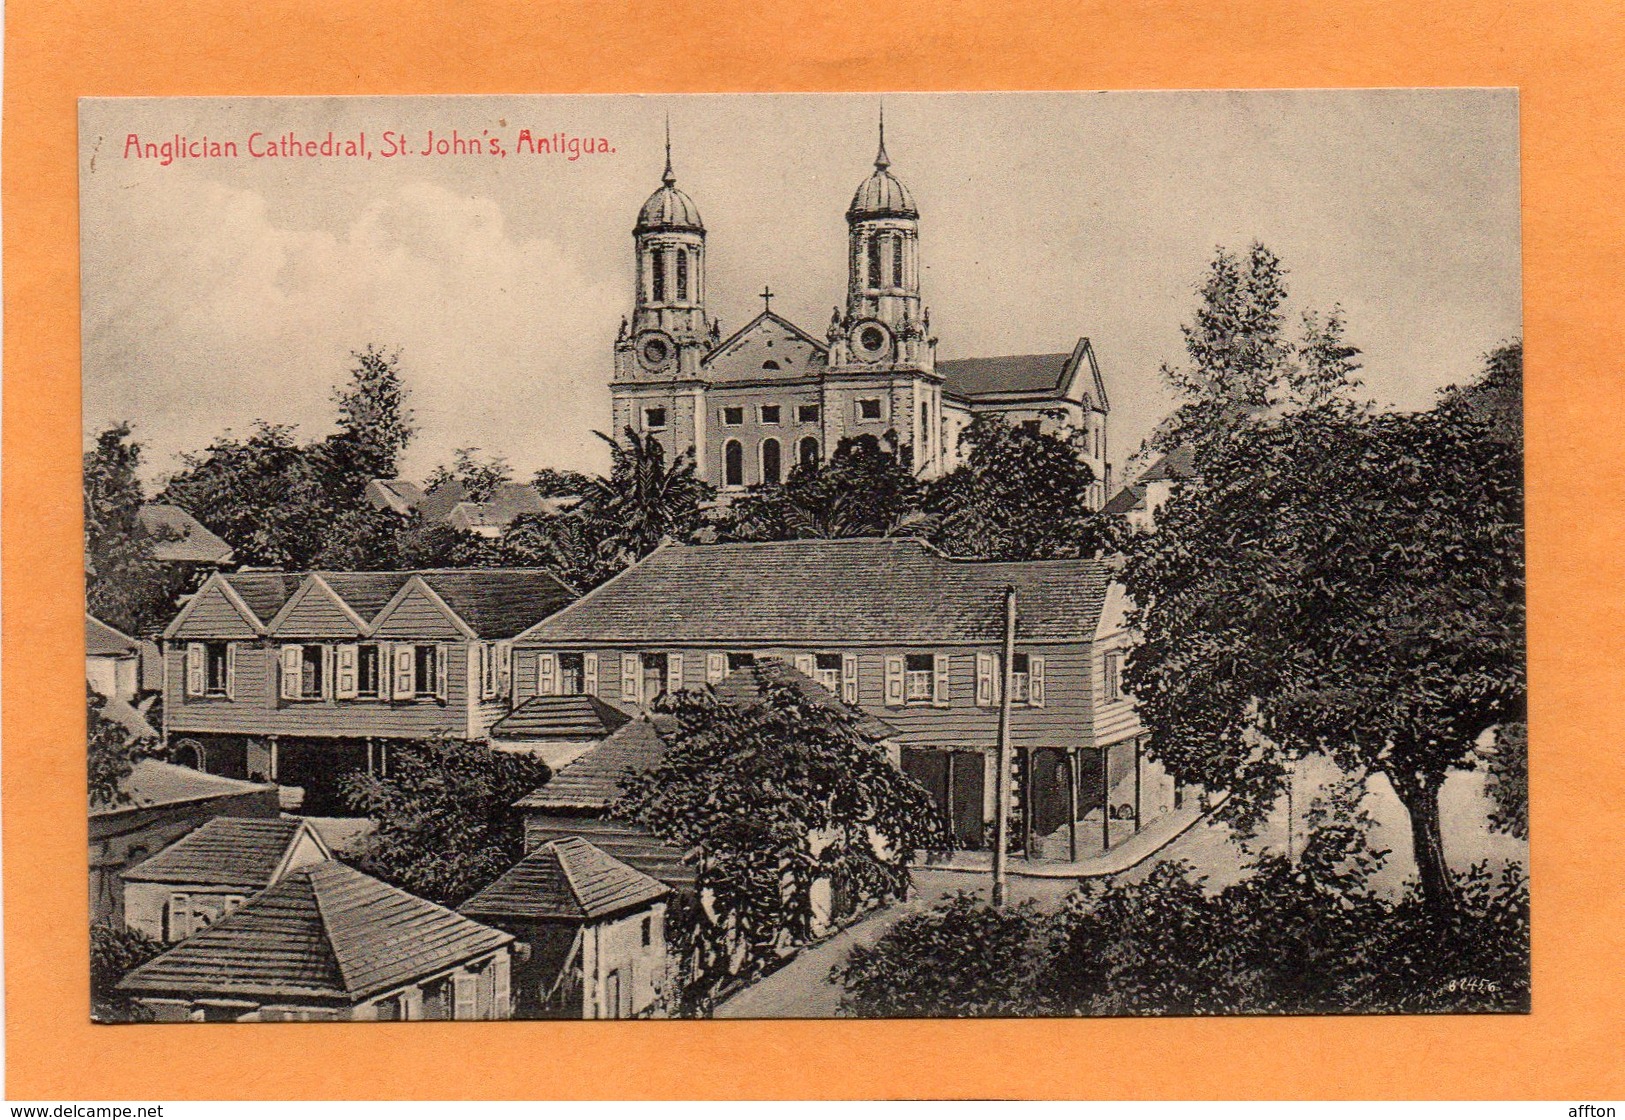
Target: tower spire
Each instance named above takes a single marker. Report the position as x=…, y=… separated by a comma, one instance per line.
x=668, y=178
x=882, y=161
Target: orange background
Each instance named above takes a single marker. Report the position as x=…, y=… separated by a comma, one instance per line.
x=1566, y=58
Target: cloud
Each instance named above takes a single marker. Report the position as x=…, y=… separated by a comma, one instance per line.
x=208, y=311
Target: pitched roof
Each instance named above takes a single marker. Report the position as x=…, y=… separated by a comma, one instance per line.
x=632, y=844
x=152, y=783
x=326, y=932
x=746, y=685
x=264, y=593
x=567, y=879
x=227, y=852
x=394, y=493
x=101, y=640
x=559, y=717
x=829, y=592
x=178, y=537
x=1180, y=463
x=1026, y=375
x=1126, y=500
x=127, y=715
x=593, y=781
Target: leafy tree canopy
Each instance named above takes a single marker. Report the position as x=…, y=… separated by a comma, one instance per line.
x=866, y=489
x=112, y=753
x=480, y=477
x=556, y=482
x=647, y=498
x=125, y=586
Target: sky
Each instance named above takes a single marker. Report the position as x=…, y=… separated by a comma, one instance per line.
x=220, y=291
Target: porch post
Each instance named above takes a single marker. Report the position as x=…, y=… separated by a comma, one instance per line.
x=1136, y=783
x=1027, y=807
x=1105, y=800
x=370, y=766
x=273, y=765
x=1072, y=802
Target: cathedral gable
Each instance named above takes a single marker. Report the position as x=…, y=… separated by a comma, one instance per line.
x=767, y=348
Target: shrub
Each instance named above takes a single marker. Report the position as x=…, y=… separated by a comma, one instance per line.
x=113, y=953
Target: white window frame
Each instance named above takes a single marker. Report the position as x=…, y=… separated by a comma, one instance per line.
x=650, y=426
x=880, y=411
x=761, y=415
x=293, y=672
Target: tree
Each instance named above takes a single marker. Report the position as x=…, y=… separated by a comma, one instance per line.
x=556, y=482
x=479, y=477
x=446, y=826
x=114, y=952
x=112, y=753
x=375, y=424
x=645, y=500
x=1338, y=583
x=866, y=489
x=1508, y=781
x=771, y=796
x=125, y=586
x=566, y=544
x=1018, y=494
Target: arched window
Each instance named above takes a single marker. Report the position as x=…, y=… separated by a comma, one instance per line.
x=771, y=468
x=658, y=259
x=188, y=752
x=809, y=452
x=874, y=262
x=733, y=463
x=925, y=426
x=897, y=262
x=770, y=364
x=682, y=274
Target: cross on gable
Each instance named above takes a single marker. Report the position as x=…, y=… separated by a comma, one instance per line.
x=767, y=298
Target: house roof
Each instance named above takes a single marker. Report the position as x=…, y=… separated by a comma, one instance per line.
x=325, y=932
x=810, y=593
x=264, y=593
x=566, y=879
x=632, y=844
x=152, y=783
x=1025, y=375
x=1180, y=463
x=394, y=493
x=1126, y=500
x=593, y=781
x=178, y=537
x=559, y=717
x=227, y=852
x=746, y=685
x=127, y=715
x=101, y=640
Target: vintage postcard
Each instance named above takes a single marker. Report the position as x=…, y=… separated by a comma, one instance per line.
x=804, y=556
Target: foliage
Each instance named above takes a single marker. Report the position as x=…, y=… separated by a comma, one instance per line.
x=479, y=477
x=375, y=424
x=865, y=489
x=647, y=499
x=770, y=797
x=566, y=544
x=1508, y=784
x=125, y=586
x=112, y=753
x=1018, y=494
x=446, y=827
x=556, y=482
x=114, y=952
x=1339, y=583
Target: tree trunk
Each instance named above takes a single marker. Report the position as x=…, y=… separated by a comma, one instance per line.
x=1419, y=793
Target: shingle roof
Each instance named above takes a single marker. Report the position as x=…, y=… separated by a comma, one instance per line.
x=632, y=844
x=178, y=537
x=127, y=715
x=101, y=640
x=745, y=686
x=1180, y=463
x=264, y=593
x=226, y=852
x=1126, y=500
x=559, y=717
x=153, y=783
x=593, y=781
x=1011, y=373
x=325, y=931
x=567, y=879
x=829, y=592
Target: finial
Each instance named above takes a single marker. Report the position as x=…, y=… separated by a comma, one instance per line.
x=767, y=298
x=882, y=161
x=668, y=178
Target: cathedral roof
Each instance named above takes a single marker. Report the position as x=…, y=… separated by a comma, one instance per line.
x=668, y=207
x=882, y=195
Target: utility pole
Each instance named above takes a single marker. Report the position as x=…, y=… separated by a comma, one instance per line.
x=1001, y=821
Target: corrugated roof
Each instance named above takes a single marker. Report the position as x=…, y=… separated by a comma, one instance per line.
x=226, y=852
x=593, y=781
x=560, y=717
x=178, y=537
x=151, y=783
x=367, y=593
x=101, y=640
x=325, y=931
x=828, y=592
x=566, y=879
x=632, y=844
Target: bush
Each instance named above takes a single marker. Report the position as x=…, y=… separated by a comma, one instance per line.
x=113, y=953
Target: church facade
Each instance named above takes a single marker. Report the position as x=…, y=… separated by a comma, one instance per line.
x=755, y=404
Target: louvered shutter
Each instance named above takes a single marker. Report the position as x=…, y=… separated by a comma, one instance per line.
x=804, y=664
x=674, y=672
x=849, y=677
x=327, y=672
x=502, y=998
x=344, y=672
x=1035, y=681
x=406, y=684
x=231, y=670
x=463, y=986
x=547, y=674
x=716, y=667
x=940, y=664
x=631, y=678
x=504, y=668
x=194, y=669
x=589, y=673
x=442, y=672
x=984, y=680
x=291, y=665
x=894, y=681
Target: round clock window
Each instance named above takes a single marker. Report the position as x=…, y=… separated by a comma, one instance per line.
x=872, y=339
x=655, y=351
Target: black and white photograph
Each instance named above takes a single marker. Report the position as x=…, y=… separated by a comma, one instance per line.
x=804, y=556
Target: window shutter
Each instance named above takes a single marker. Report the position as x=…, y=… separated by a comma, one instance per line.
x=180, y=917
x=488, y=671
x=984, y=680
x=194, y=669
x=503, y=999
x=442, y=668
x=631, y=677
x=547, y=674
x=504, y=668
x=1035, y=681
x=894, y=681
x=940, y=663
x=589, y=673
x=406, y=684
x=849, y=678
x=674, y=672
x=327, y=672
x=463, y=984
x=231, y=670
x=290, y=672
x=804, y=664
x=716, y=667
x=344, y=672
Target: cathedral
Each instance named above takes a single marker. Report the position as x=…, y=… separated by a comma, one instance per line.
x=771, y=395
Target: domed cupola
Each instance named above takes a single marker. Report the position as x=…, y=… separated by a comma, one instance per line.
x=881, y=195
x=669, y=330
x=669, y=208
x=883, y=325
